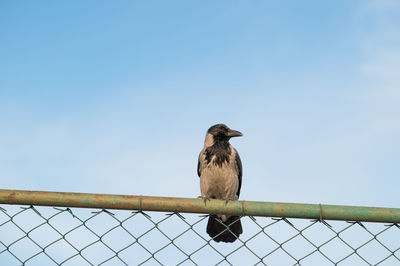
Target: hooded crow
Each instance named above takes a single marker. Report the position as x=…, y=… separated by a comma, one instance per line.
x=220, y=172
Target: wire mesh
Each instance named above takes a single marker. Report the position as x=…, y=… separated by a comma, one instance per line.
x=63, y=236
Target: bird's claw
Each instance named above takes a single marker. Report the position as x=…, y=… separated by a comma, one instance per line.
x=205, y=198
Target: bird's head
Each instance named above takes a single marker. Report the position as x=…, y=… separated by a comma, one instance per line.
x=220, y=132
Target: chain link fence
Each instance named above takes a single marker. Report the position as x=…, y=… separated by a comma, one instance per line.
x=76, y=236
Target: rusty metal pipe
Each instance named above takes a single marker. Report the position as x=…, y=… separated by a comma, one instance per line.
x=188, y=205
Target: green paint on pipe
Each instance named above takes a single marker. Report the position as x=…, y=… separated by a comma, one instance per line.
x=168, y=204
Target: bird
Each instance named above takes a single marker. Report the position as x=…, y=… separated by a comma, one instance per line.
x=220, y=170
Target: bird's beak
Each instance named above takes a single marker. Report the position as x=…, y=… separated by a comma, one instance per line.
x=234, y=133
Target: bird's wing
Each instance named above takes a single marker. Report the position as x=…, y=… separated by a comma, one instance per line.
x=199, y=163
x=239, y=170
x=198, y=167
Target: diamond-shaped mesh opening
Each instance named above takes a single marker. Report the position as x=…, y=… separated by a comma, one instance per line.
x=199, y=226
x=253, y=227
x=315, y=258
x=189, y=242
x=173, y=225
x=170, y=255
x=279, y=257
x=292, y=247
x=60, y=251
x=81, y=237
x=138, y=224
x=54, y=236
x=212, y=256
x=9, y=233
x=244, y=256
x=261, y=244
x=280, y=231
x=355, y=235
x=97, y=253
x=147, y=240
x=135, y=254
x=389, y=236
x=225, y=249
x=336, y=250
x=63, y=222
x=118, y=239
x=373, y=252
x=25, y=247
x=318, y=234
x=44, y=235
x=101, y=222
x=28, y=220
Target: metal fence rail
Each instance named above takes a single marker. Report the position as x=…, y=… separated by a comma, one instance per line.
x=123, y=231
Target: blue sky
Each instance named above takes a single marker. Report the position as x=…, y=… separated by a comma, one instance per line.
x=116, y=97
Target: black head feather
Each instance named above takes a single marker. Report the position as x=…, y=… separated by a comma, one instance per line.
x=221, y=132
x=220, y=148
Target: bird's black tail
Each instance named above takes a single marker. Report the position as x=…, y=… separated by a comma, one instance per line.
x=227, y=231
